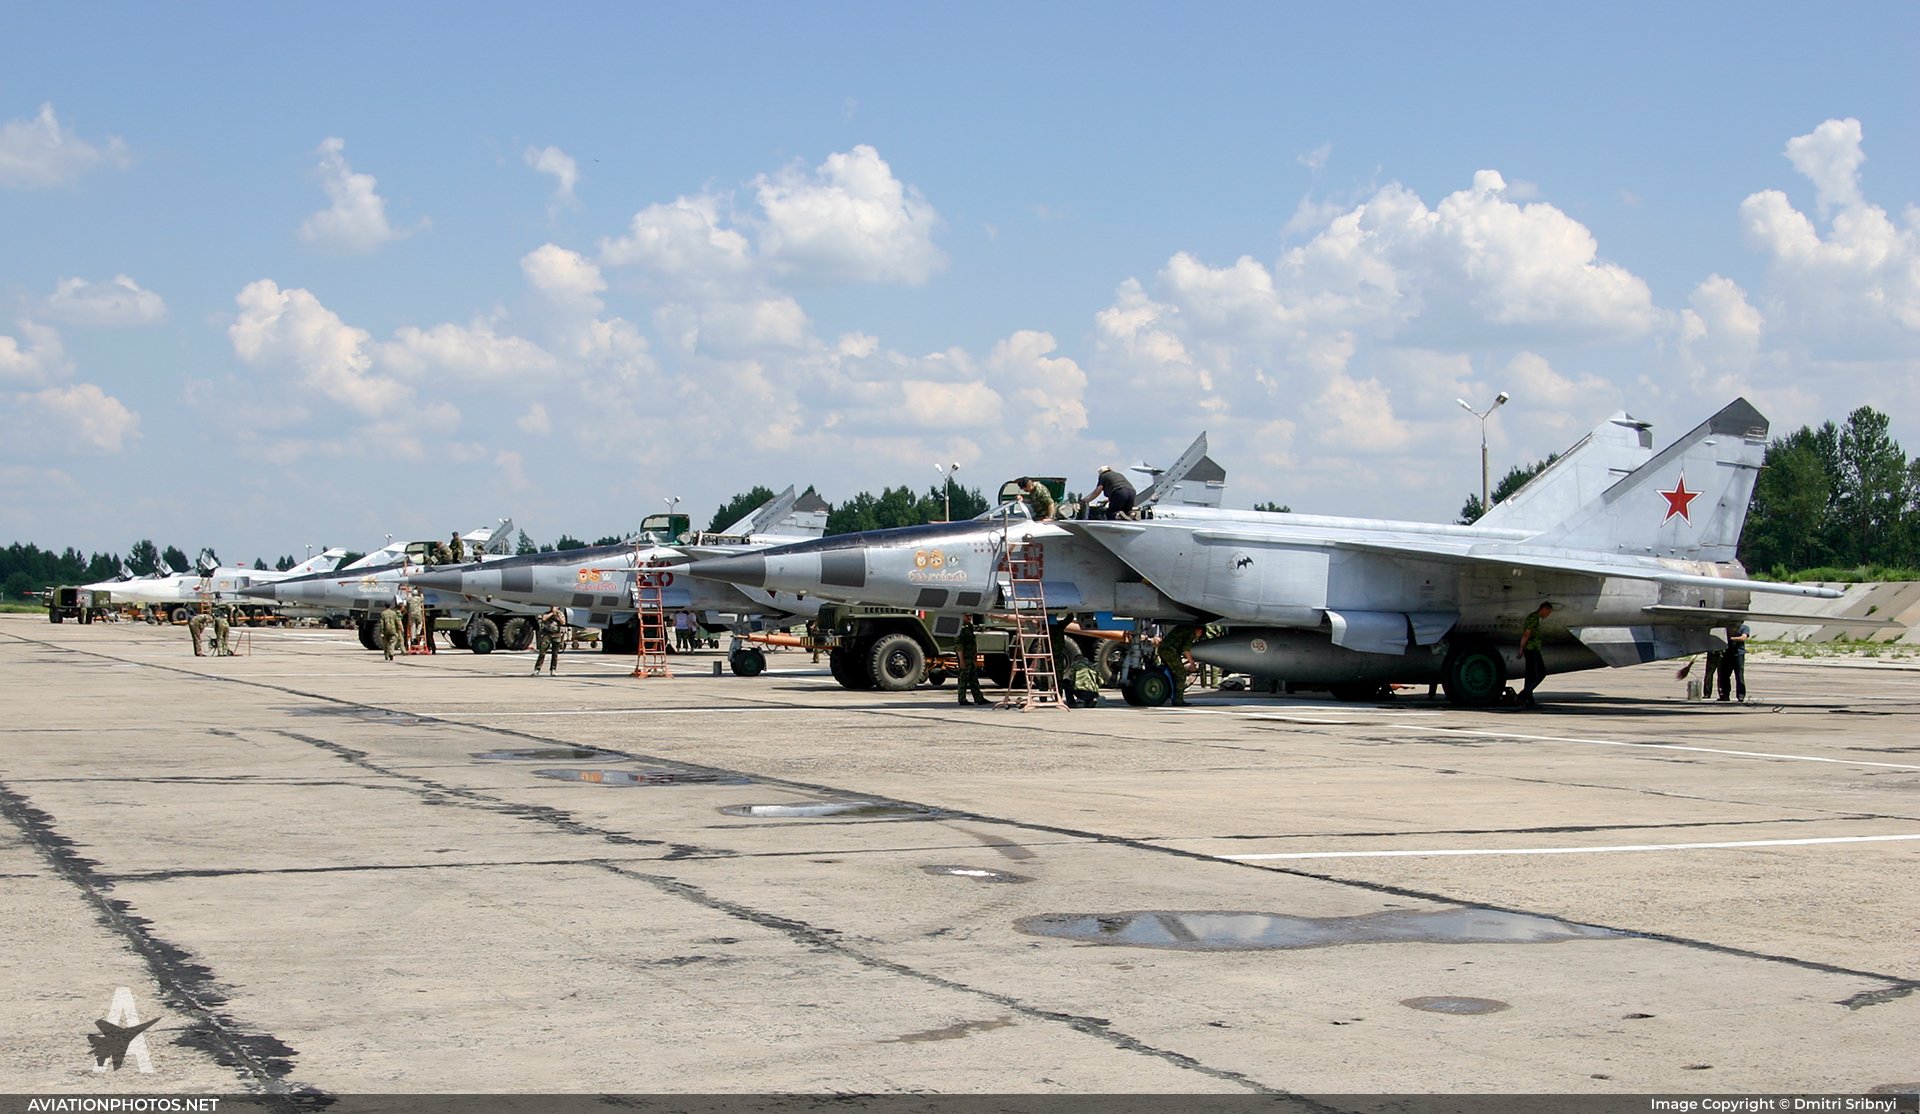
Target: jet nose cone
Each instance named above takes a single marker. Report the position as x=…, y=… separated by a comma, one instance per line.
x=445, y=580
x=749, y=570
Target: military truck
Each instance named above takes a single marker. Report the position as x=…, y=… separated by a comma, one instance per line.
x=75, y=603
x=893, y=650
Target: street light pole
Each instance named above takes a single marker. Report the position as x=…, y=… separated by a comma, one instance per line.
x=1499, y=400
x=946, y=488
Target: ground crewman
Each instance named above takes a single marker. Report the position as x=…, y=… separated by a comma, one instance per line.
x=457, y=549
x=417, y=630
x=1039, y=498
x=1173, y=655
x=553, y=629
x=1530, y=649
x=221, y=626
x=390, y=629
x=966, y=651
x=1117, y=491
x=196, y=627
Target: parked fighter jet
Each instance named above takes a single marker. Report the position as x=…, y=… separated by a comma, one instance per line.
x=1643, y=571
x=596, y=584
x=1638, y=567
x=177, y=594
x=357, y=593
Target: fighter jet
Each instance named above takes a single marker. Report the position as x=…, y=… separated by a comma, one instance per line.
x=1644, y=570
x=1635, y=554
x=595, y=585
x=177, y=594
x=357, y=592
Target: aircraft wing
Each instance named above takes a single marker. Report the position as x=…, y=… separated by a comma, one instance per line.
x=1428, y=549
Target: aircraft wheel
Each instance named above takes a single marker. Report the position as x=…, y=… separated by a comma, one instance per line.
x=517, y=634
x=748, y=662
x=1153, y=687
x=1474, y=674
x=1130, y=692
x=369, y=635
x=849, y=668
x=483, y=636
x=897, y=662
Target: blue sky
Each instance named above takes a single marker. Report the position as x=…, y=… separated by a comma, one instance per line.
x=277, y=276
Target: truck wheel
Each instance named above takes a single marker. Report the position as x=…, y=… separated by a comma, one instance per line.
x=748, y=662
x=517, y=634
x=458, y=638
x=897, y=662
x=937, y=678
x=997, y=668
x=54, y=616
x=1106, y=661
x=483, y=636
x=179, y=615
x=1355, y=692
x=369, y=635
x=1475, y=674
x=850, y=669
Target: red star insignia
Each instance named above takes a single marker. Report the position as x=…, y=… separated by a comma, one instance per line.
x=1678, y=498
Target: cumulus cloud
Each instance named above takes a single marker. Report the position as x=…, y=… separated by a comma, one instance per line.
x=355, y=222
x=469, y=353
x=535, y=421
x=1854, y=290
x=683, y=238
x=564, y=276
x=89, y=413
x=849, y=219
x=39, y=360
x=41, y=154
x=566, y=174
x=117, y=302
x=291, y=328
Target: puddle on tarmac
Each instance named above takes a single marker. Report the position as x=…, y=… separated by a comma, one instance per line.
x=643, y=777
x=977, y=874
x=1445, y=1004
x=548, y=754
x=837, y=810
x=1209, y=931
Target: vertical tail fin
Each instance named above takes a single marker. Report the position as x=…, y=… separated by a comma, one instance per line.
x=1690, y=501
x=1576, y=477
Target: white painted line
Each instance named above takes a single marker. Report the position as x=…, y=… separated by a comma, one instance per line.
x=1665, y=746
x=591, y=712
x=1561, y=850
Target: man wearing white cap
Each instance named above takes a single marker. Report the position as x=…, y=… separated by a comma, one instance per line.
x=1117, y=492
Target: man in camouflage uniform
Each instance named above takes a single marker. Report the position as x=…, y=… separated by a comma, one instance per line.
x=552, y=628
x=221, y=626
x=390, y=629
x=966, y=649
x=197, y=626
x=457, y=549
x=1039, y=498
x=417, y=629
x=1173, y=655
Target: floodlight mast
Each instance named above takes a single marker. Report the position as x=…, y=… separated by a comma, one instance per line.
x=1499, y=400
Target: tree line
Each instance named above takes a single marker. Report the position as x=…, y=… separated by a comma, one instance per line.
x=26, y=568
x=1834, y=502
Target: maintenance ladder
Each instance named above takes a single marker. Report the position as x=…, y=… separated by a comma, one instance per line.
x=1035, y=682
x=649, y=600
